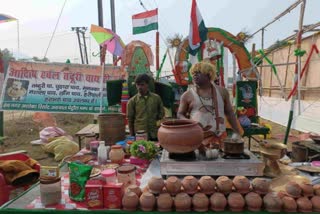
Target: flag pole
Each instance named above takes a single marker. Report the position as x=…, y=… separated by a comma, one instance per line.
x=101, y=86
x=18, y=33
x=297, y=70
x=157, y=50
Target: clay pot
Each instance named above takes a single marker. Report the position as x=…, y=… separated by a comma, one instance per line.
x=173, y=185
x=182, y=202
x=307, y=189
x=207, y=185
x=147, y=201
x=116, y=154
x=253, y=201
x=224, y=185
x=236, y=202
x=156, y=184
x=260, y=186
x=171, y=132
x=130, y=201
x=316, y=189
x=200, y=202
x=242, y=184
x=315, y=200
x=272, y=202
x=289, y=204
x=293, y=189
x=190, y=184
x=164, y=202
x=304, y=204
x=218, y=202
x=134, y=188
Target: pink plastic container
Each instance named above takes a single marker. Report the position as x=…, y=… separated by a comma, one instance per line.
x=109, y=175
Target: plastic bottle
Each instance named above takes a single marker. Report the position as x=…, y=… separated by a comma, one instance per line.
x=102, y=153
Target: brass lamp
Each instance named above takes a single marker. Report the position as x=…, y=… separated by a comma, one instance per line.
x=271, y=153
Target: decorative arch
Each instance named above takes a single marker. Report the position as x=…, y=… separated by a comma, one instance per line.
x=229, y=41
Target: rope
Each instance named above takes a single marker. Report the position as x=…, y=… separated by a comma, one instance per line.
x=55, y=28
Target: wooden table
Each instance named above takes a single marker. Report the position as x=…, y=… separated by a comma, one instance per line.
x=90, y=130
x=87, y=130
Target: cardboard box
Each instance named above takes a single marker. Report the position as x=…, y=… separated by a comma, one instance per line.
x=94, y=194
x=112, y=195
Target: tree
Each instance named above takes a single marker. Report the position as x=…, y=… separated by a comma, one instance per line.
x=6, y=57
x=37, y=59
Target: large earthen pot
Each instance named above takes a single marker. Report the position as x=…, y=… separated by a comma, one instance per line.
x=180, y=136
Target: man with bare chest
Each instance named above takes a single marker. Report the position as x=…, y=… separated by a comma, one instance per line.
x=208, y=104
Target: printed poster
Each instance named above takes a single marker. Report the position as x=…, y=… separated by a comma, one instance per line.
x=57, y=87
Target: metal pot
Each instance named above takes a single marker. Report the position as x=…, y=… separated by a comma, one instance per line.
x=233, y=146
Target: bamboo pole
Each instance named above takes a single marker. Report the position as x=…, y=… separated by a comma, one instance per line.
x=294, y=5
x=287, y=68
x=271, y=75
x=298, y=66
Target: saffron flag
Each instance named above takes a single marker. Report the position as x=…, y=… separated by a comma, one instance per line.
x=144, y=22
x=6, y=18
x=198, y=31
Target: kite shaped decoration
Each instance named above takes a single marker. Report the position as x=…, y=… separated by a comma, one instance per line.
x=108, y=39
x=6, y=18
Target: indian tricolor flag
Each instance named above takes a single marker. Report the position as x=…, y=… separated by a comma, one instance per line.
x=198, y=31
x=144, y=22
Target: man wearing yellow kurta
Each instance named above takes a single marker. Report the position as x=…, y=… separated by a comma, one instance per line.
x=144, y=109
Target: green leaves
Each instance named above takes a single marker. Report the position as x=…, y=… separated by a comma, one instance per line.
x=144, y=149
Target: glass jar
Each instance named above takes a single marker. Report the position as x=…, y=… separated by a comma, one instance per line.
x=127, y=149
x=109, y=176
x=94, y=148
x=87, y=139
x=141, y=135
x=116, y=154
x=126, y=174
x=50, y=191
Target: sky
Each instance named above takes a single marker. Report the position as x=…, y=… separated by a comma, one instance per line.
x=38, y=18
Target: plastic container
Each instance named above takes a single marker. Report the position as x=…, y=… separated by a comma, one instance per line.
x=102, y=153
x=122, y=143
x=50, y=191
x=116, y=154
x=130, y=138
x=141, y=135
x=126, y=174
x=109, y=176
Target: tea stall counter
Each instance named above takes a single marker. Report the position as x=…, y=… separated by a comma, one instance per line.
x=29, y=201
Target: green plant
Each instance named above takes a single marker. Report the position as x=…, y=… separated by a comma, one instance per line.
x=144, y=149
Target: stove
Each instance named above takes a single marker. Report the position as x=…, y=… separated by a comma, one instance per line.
x=246, y=164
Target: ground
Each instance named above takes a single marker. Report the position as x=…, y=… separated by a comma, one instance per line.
x=21, y=130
